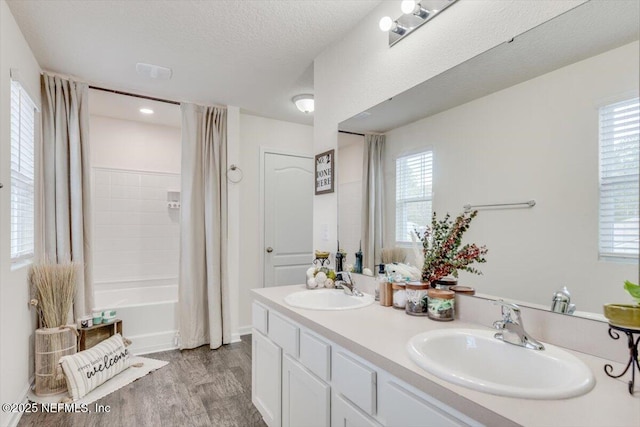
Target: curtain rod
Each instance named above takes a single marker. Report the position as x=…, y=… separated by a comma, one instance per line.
x=118, y=92
x=351, y=133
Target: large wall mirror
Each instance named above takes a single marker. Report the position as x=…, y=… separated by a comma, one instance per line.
x=519, y=122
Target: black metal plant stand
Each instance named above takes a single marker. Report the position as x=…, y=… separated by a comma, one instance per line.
x=321, y=262
x=633, y=353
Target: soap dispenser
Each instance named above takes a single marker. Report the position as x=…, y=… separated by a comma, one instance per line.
x=381, y=279
x=358, y=266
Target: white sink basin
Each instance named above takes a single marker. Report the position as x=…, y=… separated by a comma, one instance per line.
x=475, y=359
x=327, y=299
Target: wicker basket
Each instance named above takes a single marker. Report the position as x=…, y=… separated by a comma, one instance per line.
x=51, y=345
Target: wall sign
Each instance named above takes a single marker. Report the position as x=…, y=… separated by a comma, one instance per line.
x=324, y=172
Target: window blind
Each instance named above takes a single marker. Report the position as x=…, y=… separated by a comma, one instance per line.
x=414, y=182
x=619, y=179
x=22, y=173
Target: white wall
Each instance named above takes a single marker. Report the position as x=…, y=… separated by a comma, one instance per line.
x=536, y=140
x=360, y=70
x=258, y=133
x=16, y=319
x=349, y=186
x=126, y=144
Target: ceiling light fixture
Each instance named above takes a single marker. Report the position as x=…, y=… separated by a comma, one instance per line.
x=414, y=16
x=304, y=103
x=414, y=7
x=146, y=111
x=388, y=24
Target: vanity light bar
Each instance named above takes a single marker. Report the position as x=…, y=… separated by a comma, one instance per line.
x=415, y=15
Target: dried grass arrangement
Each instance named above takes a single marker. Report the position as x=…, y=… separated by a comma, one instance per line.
x=393, y=255
x=53, y=287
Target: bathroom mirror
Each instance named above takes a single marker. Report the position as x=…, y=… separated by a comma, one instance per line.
x=519, y=122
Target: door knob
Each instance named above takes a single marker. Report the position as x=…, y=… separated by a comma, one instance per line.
x=269, y=249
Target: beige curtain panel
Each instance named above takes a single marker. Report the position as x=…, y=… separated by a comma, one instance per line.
x=66, y=180
x=203, y=280
x=372, y=199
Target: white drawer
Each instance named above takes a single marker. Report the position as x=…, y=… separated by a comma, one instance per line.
x=355, y=381
x=315, y=354
x=259, y=314
x=284, y=333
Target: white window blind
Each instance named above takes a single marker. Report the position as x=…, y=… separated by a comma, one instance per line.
x=414, y=182
x=22, y=173
x=619, y=188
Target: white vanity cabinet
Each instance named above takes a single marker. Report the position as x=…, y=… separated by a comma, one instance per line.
x=305, y=398
x=302, y=379
x=346, y=414
x=285, y=392
x=266, y=374
x=402, y=405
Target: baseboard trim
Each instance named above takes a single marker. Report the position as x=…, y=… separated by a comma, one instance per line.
x=153, y=343
x=15, y=416
x=244, y=330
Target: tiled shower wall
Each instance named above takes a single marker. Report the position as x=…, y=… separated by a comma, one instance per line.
x=136, y=235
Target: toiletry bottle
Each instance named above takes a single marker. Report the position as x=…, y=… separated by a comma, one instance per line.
x=380, y=281
x=358, y=266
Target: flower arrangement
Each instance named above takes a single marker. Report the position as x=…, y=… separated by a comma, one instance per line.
x=441, y=247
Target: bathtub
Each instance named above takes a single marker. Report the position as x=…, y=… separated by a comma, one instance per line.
x=149, y=313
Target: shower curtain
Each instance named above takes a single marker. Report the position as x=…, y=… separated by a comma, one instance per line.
x=203, y=280
x=372, y=199
x=65, y=171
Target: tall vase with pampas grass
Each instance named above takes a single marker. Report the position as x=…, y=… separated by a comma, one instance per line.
x=53, y=287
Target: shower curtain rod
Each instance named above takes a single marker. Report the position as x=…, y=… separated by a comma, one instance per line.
x=118, y=92
x=351, y=133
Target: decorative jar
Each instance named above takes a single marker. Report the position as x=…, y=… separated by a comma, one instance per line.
x=416, y=299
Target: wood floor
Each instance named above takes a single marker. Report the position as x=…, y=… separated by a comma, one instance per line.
x=199, y=387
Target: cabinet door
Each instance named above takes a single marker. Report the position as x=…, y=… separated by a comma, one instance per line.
x=266, y=376
x=400, y=407
x=344, y=414
x=305, y=398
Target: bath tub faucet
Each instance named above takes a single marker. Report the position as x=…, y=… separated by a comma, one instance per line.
x=347, y=284
x=511, y=327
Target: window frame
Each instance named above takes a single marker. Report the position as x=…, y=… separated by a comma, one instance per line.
x=606, y=251
x=25, y=174
x=402, y=202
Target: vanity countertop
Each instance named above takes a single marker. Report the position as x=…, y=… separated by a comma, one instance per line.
x=379, y=335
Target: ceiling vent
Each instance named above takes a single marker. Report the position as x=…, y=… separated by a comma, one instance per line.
x=154, y=71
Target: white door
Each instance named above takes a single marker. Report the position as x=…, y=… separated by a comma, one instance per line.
x=288, y=218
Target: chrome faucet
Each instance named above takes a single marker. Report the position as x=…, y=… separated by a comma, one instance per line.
x=347, y=284
x=511, y=327
x=562, y=302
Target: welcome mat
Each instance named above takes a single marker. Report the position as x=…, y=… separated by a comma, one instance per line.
x=122, y=379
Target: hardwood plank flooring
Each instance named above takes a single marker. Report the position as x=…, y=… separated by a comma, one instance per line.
x=199, y=387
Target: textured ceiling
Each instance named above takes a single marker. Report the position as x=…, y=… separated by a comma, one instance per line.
x=253, y=54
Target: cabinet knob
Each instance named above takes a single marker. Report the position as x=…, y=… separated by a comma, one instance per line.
x=269, y=249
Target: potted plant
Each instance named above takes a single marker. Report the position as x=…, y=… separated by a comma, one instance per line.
x=53, y=288
x=443, y=251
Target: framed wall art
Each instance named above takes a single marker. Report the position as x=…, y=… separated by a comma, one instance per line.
x=325, y=172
